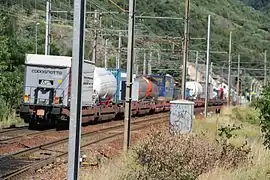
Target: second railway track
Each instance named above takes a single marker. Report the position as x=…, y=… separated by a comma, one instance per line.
x=15, y=165
x=10, y=136
x=12, y=129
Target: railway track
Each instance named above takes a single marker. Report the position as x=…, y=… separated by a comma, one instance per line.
x=13, y=129
x=17, y=164
x=11, y=136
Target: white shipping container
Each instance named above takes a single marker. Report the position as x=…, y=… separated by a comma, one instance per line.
x=210, y=90
x=52, y=73
x=195, y=87
x=105, y=84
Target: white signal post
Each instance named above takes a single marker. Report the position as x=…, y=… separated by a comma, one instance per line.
x=207, y=66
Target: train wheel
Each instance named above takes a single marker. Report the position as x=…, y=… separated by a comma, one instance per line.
x=33, y=122
x=62, y=123
x=51, y=120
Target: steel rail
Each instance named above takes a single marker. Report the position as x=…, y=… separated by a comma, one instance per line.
x=6, y=140
x=33, y=166
x=139, y=124
x=12, y=129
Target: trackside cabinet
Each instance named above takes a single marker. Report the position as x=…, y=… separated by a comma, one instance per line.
x=181, y=116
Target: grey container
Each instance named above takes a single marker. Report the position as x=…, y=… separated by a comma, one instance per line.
x=182, y=113
x=144, y=88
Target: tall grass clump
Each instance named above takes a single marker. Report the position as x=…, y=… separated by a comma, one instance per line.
x=246, y=114
x=8, y=115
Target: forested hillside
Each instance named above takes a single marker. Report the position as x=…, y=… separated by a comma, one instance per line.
x=258, y=4
x=19, y=20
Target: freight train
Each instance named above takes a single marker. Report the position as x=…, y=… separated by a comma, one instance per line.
x=47, y=92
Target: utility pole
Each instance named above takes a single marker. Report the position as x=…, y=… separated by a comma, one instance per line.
x=37, y=24
x=207, y=66
x=48, y=26
x=211, y=68
x=159, y=58
x=144, y=62
x=196, y=65
x=185, y=49
x=265, y=66
x=229, y=73
x=135, y=61
x=119, y=51
x=94, y=54
x=150, y=63
x=131, y=30
x=238, y=78
x=100, y=23
x=76, y=90
x=106, y=54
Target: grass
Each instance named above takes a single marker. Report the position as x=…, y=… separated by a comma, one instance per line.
x=8, y=116
x=10, y=120
x=258, y=166
x=203, y=155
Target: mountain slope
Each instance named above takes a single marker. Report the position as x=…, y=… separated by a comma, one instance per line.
x=250, y=28
x=257, y=4
x=18, y=23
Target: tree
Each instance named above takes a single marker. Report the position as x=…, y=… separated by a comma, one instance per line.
x=11, y=60
x=263, y=105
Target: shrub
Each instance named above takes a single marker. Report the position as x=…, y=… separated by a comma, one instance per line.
x=263, y=104
x=182, y=157
x=246, y=114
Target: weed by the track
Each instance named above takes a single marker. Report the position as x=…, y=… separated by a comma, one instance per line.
x=214, y=150
x=10, y=119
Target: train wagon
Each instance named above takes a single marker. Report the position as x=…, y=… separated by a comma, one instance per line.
x=47, y=91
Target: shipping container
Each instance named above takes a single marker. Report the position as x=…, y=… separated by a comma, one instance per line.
x=121, y=76
x=144, y=88
x=49, y=77
x=165, y=85
x=195, y=89
x=105, y=84
x=47, y=88
x=176, y=93
x=169, y=86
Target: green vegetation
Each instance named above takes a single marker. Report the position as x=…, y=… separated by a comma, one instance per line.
x=19, y=21
x=258, y=4
x=11, y=69
x=205, y=154
x=262, y=104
